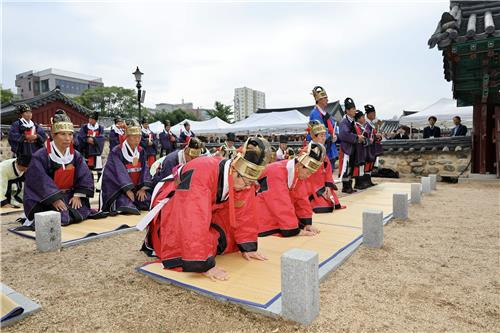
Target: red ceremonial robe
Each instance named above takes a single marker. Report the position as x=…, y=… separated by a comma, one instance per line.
x=317, y=184
x=282, y=205
x=204, y=217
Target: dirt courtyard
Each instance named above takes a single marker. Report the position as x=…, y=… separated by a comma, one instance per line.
x=437, y=271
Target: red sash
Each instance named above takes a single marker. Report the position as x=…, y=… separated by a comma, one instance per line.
x=31, y=131
x=358, y=129
x=122, y=138
x=151, y=160
x=134, y=172
x=64, y=177
x=330, y=127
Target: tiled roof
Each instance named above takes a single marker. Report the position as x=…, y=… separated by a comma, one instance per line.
x=41, y=100
x=388, y=126
x=467, y=20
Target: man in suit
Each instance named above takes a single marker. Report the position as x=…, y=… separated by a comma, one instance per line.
x=432, y=131
x=459, y=129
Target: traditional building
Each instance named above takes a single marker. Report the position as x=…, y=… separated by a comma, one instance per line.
x=469, y=37
x=44, y=107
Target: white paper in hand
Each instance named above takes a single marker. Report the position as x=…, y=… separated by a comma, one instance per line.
x=151, y=215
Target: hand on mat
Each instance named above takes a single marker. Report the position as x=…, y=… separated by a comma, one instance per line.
x=312, y=229
x=216, y=273
x=59, y=205
x=141, y=194
x=75, y=202
x=130, y=195
x=309, y=230
x=254, y=255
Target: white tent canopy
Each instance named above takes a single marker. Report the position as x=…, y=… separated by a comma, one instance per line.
x=210, y=126
x=265, y=123
x=444, y=110
x=285, y=122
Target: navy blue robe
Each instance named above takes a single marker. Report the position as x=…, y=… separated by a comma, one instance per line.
x=165, y=170
x=94, y=149
x=17, y=139
x=40, y=190
x=116, y=182
x=167, y=145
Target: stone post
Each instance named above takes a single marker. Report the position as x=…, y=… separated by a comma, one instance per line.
x=400, y=205
x=416, y=191
x=48, y=231
x=433, y=179
x=299, y=285
x=426, y=185
x=373, y=228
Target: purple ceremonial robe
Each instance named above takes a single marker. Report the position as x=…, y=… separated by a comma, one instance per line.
x=17, y=138
x=40, y=190
x=114, y=139
x=90, y=149
x=167, y=145
x=116, y=182
x=149, y=150
x=360, y=150
x=347, y=135
x=371, y=149
x=170, y=162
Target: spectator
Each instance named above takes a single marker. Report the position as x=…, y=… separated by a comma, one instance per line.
x=432, y=131
x=459, y=129
x=401, y=135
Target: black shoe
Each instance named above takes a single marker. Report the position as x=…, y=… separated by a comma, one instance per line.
x=360, y=184
x=347, y=187
x=369, y=180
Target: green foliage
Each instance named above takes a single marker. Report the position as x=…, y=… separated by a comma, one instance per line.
x=222, y=111
x=7, y=95
x=111, y=101
x=174, y=117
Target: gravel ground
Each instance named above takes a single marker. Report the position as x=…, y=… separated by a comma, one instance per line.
x=438, y=271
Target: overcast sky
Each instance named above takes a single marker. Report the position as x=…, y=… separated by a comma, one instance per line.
x=374, y=52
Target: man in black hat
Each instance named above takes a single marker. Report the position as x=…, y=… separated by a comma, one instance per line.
x=432, y=131
x=186, y=133
x=281, y=153
x=91, y=143
x=374, y=149
x=12, y=177
x=117, y=133
x=25, y=136
x=228, y=150
x=167, y=140
x=360, y=154
x=348, y=140
x=149, y=142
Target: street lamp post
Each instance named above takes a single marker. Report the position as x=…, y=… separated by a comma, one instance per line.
x=138, y=74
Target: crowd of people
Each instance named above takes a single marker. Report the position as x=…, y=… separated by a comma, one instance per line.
x=429, y=132
x=208, y=203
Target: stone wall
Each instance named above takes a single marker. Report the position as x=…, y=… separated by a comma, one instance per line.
x=443, y=163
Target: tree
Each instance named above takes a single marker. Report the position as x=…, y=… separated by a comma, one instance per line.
x=7, y=95
x=222, y=111
x=174, y=117
x=111, y=101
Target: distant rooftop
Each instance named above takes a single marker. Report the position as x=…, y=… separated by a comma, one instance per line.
x=65, y=73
